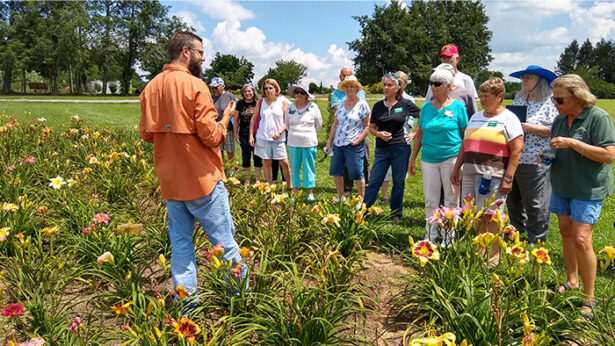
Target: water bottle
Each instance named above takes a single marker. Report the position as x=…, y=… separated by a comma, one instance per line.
x=548, y=156
x=327, y=151
x=485, y=183
x=408, y=127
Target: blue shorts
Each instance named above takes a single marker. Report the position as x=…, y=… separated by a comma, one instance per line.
x=578, y=210
x=349, y=156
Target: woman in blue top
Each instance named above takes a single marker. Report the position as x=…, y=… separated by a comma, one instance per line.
x=387, y=122
x=440, y=132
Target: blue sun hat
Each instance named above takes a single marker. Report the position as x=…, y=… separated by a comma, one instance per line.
x=537, y=70
x=216, y=81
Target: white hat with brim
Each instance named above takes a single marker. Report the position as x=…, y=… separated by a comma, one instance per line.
x=293, y=88
x=350, y=80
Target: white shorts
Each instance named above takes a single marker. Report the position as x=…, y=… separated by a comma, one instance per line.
x=269, y=150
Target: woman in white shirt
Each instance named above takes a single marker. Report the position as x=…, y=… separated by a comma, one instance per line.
x=303, y=121
x=269, y=136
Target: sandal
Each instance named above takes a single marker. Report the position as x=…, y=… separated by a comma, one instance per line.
x=563, y=288
x=587, y=309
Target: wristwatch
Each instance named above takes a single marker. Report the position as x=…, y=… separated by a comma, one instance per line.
x=507, y=179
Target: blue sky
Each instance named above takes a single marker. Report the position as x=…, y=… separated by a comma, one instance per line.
x=315, y=33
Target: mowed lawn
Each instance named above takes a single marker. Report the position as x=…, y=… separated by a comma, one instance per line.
x=394, y=236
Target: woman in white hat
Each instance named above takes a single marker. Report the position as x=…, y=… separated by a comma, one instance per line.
x=349, y=129
x=528, y=201
x=303, y=121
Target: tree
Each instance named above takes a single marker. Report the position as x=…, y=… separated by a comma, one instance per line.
x=568, y=59
x=286, y=73
x=585, y=57
x=484, y=75
x=395, y=38
x=604, y=58
x=235, y=71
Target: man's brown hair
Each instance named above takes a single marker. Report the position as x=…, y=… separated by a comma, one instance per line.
x=179, y=40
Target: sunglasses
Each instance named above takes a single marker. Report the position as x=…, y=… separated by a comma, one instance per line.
x=300, y=92
x=269, y=88
x=560, y=100
x=436, y=84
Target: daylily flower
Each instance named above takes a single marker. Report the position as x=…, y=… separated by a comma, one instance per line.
x=424, y=250
x=31, y=342
x=122, y=308
x=436, y=217
x=610, y=254
x=542, y=255
x=132, y=228
x=216, y=251
x=279, y=198
x=42, y=210
x=57, y=182
x=187, y=329
x=163, y=261
x=129, y=329
x=483, y=239
x=447, y=339
x=315, y=209
x=529, y=339
x=374, y=210
x=518, y=252
x=244, y=252
x=335, y=218
x=13, y=310
x=88, y=229
x=94, y=161
x=236, y=270
x=4, y=232
x=106, y=257
x=234, y=181
x=101, y=218
x=181, y=292
x=73, y=326
x=87, y=170
x=511, y=231
x=20, y=237
x=41, y=119
x=49, y=231
x=450, y=213
x=10, y=207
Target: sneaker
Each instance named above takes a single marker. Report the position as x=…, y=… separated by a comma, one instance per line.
x=384, y=200
x=311, y=198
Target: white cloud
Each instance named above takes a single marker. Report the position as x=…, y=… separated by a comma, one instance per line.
x=190, y=19
x=223, y=9
x=229, y=38
x=595, y=22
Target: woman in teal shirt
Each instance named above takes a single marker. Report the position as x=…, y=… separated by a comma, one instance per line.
x=440, y=132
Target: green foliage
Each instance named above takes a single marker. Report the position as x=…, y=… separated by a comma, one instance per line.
x=593, y=63
x=235, y=71
x=286, y=73
x=409, y=39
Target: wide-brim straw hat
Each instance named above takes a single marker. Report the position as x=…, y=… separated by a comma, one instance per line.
x=350, y=80
x=537, y=70
x=293, y=88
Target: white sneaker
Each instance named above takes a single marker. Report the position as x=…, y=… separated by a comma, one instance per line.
x=311, y=198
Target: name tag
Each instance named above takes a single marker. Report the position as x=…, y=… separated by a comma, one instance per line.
x=492, y=124
x=397, y=110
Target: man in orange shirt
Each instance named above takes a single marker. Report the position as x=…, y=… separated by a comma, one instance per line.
x=178, y=116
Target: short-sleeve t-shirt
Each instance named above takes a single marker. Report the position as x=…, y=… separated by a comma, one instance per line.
x=442, y=131
x=393, y=120
x=220, y=103
x=576, y=176
x=486, y=143
x=538, y=113
x=245, y=110
x=337, y=96
x=350, y=122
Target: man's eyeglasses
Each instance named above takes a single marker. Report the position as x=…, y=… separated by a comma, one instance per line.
x=560, y=100
x=196, y=50
x=436, y=84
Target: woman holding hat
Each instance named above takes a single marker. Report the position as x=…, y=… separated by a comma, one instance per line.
x=348, y=131
x=583, y=137
x=269, y=137
x=528, y=201
x=387, y=122
x=221, y=100
x=303, y=121
x=241, y=128
x=440, y=133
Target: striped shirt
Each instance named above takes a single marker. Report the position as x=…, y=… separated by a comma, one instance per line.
x=486, y=143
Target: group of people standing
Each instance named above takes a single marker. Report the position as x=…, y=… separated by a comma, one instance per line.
x=555, y=158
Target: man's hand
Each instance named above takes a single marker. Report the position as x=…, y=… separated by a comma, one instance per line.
x=230, y=109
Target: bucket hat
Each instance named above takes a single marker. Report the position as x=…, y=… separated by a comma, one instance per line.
x=537, y=70
x=293, y=88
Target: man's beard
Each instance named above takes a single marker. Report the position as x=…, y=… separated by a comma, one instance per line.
x=196, y=68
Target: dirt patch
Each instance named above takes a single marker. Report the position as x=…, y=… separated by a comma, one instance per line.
x=383, y=281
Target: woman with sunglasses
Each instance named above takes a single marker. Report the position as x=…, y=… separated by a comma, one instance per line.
x=528, y=200
x=303, y=120
x=241, y=127
x=583, y=138
x=392, y=149
x=269, y=137
x=440, y=133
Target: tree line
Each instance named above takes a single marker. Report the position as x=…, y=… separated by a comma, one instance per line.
x=83, y=40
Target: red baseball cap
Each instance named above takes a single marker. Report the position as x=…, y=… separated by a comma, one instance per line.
x=449, y=50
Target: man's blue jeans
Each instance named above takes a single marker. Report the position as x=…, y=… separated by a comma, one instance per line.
x=214, y=214
x=396, y=156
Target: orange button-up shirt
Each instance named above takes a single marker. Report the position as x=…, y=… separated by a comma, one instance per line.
x=178, y=116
